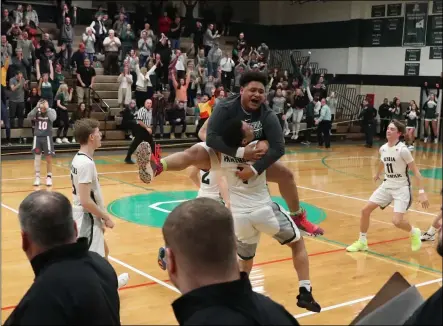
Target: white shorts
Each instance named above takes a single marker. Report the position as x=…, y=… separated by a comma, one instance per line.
x=90, y=227
x=270, y=219
x=402, y=198
x=432, y=119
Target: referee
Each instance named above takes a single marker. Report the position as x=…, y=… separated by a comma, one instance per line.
x=143, y=130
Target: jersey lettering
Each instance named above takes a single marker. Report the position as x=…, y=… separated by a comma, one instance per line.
x=205, y=179
x=240, y=168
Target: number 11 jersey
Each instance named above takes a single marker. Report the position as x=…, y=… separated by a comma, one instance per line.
x=396, y=160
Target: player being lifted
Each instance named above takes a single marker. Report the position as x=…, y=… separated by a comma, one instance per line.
x=44, y=117
x=396, y=161
x=252, y=208
x=210, y=184
x=88, y=205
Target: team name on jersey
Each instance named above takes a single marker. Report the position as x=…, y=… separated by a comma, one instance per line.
x=389, y=159
x=230, y=159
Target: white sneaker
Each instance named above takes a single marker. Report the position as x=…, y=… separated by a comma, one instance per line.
x=427, y=237
x=37, y=181
x=287, y=132
x=58, y=141
x=436, y=141
x=123, y=279
x=73, y=140
x=426, y=140
x=294, y=137
x=49, y=181
x=65, y=140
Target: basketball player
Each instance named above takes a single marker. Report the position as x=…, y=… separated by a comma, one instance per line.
x=395, y=160
x=44, y=116
x=433, y=229
x=88, y=208
x=250, y=107
x=210, y=184
x=253, y=210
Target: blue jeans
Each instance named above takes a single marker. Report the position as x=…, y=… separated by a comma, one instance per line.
x=213, y=69
x=142, y=60
x=175, y=44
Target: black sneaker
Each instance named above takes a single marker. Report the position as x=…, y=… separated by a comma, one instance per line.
x=306, y=300
x=129, y=161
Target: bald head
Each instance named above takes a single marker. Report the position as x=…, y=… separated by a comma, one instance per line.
x=46, y=218
x=200, y=232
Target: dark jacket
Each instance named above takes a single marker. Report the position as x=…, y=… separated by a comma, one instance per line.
x=368, y=115
x=384, y=112
x=232, y=303
x=430, y=312
x=264, y=122
x=72, y=286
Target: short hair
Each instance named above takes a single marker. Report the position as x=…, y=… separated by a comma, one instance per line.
x=233, y=134
x=253, y=76
x=83, y=128
x=46, y=217
x=400, y=126
x=201, y=232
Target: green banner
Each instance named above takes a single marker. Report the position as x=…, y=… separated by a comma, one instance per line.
x=416, y=22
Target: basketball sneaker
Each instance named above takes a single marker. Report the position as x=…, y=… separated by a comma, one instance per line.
x=162, y=258
x=358, y=246
x=303, y=224
x=49, y=181
x=415, y=239
x=123, y=279
x=306, y=300
x=427, y=237
x=37, y=181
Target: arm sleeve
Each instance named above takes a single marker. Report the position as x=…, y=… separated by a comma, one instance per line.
x=52, y=114
x=216, y=123
x=406, y=155
x=84, y=173
x=274, y=136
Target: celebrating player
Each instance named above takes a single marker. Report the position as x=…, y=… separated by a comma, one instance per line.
x=252, y=207
x=396, y=160
x=249, y=107
x=210, y=184
x=88, y=208
x=44, y=116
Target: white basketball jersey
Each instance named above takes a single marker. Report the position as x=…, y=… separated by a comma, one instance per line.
x=396, y=160
x=83, y=170
x=245, y=196
x=209, y=185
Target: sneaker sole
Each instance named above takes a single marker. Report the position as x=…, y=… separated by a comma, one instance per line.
x=314, y=307
x=364, y=249
x=143, y=155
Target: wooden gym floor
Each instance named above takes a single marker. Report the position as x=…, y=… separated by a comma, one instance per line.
x=333, y=186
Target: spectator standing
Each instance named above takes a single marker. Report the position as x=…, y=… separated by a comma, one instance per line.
x=164, y=24
x=215, y=55
x=111, y=45
x=89, y=42
x=300, y=101
x=213, y=289
x=79, y=56
x=158, y=112
x=127, y=38
x=19, y=63
x=175, y=33
x=145, y=47
x=177, y=117
x=324, y=125
x=45, y=85
x=28, y=52
x=7, y=21
x=385, y=117
x=67, y=37
x=119, y=25
x=62, y=98
x=227, y=66
x=368, y=115
x=5, y=122
x=85, y=81
x=6, y=50
x=100, y=31
x=209, y=38
x=72, y=285
x=332, y=103
x=18, y=85
x=198, y=38
x=31, y=15
x=124, y=89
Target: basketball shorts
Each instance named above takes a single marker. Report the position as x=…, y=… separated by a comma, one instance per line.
x=43, y=144
x=270, y=219
x=90, y=227
x=401, y=197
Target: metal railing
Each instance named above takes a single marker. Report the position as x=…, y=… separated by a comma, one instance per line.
x=93, y=95
x=349, y=103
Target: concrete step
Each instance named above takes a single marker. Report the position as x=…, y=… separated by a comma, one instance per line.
x=112, y=102
x=105, y=79
x=108, y=94
x=106, y=86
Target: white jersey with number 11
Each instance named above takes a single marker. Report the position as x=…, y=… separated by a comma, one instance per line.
x=396, y=160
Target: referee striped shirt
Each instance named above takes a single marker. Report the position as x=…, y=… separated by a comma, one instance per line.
x=145, y=116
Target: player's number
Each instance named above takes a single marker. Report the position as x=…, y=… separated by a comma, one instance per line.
x=205, y=178
x=42, y=125
x=240, y=168
x=74, y=191
x=389, y=168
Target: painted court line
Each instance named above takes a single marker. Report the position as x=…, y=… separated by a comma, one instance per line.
x=68, y=175
x=352, y=302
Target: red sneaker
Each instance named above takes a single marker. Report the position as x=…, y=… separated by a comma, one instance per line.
x=303, y=224
x=156, y=164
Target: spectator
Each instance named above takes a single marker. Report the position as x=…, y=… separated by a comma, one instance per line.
x=79, y=56
x=59, y=78
x=18, y=15
x=31, y=102
x=164, y=24
x=45, y=85
x=6, y=50
x=46, y=43
x=128, y=119
x=18, y=85
x=111, y=45
x=368, y=115
x=85, y=81
x=72, y=285
x=278, y=105
x=67, y=38
x=31, y=15
x=324, y=125
x=198, y=39
x=332, y=103
x=82, y=112
x=28, y=51
x=127, y=38
x=227, y=66
x=5, y=122
x=300, y=101
x=89, y=42
x=177, y=117
x=145, y=47
x=396, y=109
x=124, y=89
x=174, y=33
x=209, y=38
x=7, y=21
x=311, y=113
x=385, y=117
x=158, y=112
x=62, y=98
x=19, y=63
x=431, y=114
x=149, y=32
x=100, y=31
x=412, y=114
x=203, y=252
x=119, y=25
x=215, y=55
x=143, y=81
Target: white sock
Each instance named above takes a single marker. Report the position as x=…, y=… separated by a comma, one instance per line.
x=413, y=230
x=432, y=230
x=363, y=237
x=305, y=284
x=49, y=174
x=37, y=163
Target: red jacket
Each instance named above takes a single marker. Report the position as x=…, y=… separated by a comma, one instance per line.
x=164, y=23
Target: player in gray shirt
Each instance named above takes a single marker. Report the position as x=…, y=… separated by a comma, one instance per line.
x=44, y=117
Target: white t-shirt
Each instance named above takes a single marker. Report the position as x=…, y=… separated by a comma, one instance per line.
x=83, y=171
x=396, y=160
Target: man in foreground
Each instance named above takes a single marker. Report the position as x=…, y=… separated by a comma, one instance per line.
x=72, y=285
x=202, y=264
